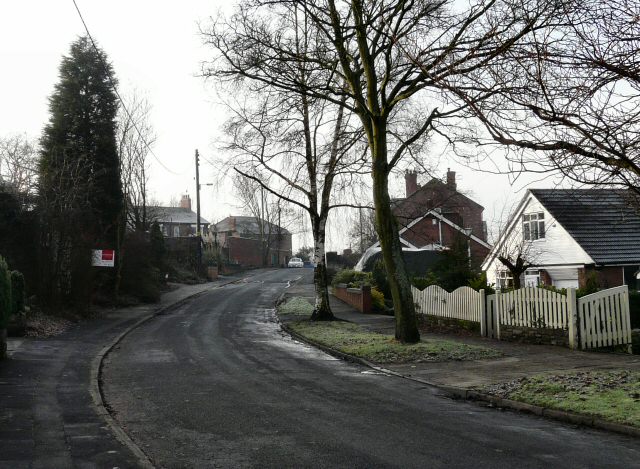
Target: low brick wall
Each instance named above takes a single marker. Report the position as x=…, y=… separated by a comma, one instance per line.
x=449, y=324
x=230, y=269
x=530, y=335
x=359, y=298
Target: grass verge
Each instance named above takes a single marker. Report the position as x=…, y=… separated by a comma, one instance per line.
x=354, y=340
x=609, y=395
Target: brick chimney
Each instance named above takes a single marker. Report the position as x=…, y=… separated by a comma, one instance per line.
x=185, y=202
x=411, y=182
x=451, y=179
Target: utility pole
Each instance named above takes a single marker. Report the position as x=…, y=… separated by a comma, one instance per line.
x=198, y=234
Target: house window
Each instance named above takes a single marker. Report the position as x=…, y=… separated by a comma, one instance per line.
x=533, y=226
x=176, y=231
x=532, y=278
x=504, y=280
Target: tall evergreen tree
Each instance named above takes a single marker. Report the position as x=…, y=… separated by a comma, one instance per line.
x=80, y=195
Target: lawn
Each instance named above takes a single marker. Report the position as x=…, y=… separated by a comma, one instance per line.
x=354, y=340
x=610, y=395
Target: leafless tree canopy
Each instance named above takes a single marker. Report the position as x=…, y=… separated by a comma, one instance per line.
x=19, y=164
x=134, y=137
x=572, y=93
x=397, y=65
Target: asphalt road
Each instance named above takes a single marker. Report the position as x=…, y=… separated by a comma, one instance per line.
x=216, y=383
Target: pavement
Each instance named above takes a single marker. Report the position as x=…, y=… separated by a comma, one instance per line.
x=466, y=379
x=48, y=412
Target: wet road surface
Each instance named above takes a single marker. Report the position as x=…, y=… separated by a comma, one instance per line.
x=216, y=383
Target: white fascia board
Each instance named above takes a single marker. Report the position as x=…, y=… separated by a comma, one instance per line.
x=407, y=243
x=524, y=203
x=506, y=233
x=441, y=217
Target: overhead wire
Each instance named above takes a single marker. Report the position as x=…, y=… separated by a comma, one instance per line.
x=115, y=90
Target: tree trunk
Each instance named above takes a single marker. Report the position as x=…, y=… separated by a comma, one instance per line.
x=322, y=309
x=3, y=343
x=404, y=308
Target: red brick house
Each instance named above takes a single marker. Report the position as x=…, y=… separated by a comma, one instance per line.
x=432, y=216
x=252, y=242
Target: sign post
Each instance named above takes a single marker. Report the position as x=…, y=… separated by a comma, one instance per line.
x=103, y=258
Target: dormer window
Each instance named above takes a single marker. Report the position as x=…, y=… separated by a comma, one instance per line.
x=533, y=226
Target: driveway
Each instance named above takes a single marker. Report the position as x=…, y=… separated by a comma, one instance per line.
x=216, y=383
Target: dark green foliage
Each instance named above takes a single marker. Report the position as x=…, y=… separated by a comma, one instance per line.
x=78, y=144
x=17, y=292
x=18, y=234
x=80, y=194
x=591, y=285
x=634, y=309
x=141, y=278
x=158, y=249
x=479, y=282
x=5, y=293
x=379, y=277
x=377, y=301
x=352, y=278
x=423, y=282
x=454, y=269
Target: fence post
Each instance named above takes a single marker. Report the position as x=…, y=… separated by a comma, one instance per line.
x=483, y=313
x=497, y=314
x=572, y=318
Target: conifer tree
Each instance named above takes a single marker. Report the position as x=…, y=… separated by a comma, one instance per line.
x=80, y=196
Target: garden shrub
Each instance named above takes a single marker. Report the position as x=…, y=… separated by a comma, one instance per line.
x=379, y=277
x=17, y=292
x=634, y=309
x=377, y=301
x=423, y=282
x=479, y=282
x=141, y=278
x=562, y=291
x=352, y=278
x=5, y=293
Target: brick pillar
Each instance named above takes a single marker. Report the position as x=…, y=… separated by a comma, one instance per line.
x=365, y=299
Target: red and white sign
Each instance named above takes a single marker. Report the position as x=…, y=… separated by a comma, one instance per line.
x=103, y=258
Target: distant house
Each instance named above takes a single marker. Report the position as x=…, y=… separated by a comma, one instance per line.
x=431, y=218
x=252, y=242
x=570, y=235
x=177, y=222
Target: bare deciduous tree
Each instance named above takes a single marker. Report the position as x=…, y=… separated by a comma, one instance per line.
x=135, y=136
x=571, y=93
x=19, y=165
x=298, y=149
x=381, y=59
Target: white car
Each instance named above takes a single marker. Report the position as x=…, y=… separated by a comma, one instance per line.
x=296, y=262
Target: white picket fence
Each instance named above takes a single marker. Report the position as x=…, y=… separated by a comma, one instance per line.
x=604, y=318
x=598, y=320
x=463, y=303
x=534, y=307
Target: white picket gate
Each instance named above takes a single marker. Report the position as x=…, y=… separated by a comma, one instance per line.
x=604, y=318
x=534, y=307
x=463, y=303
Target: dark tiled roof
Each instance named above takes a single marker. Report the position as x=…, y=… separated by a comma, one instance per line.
x=605, y=222
x=175, y=215
x=246, y=225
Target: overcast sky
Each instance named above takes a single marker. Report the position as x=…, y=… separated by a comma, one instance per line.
x=155, y=48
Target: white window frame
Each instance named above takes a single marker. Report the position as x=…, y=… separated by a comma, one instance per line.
x=504, y=279
x=533, y=227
